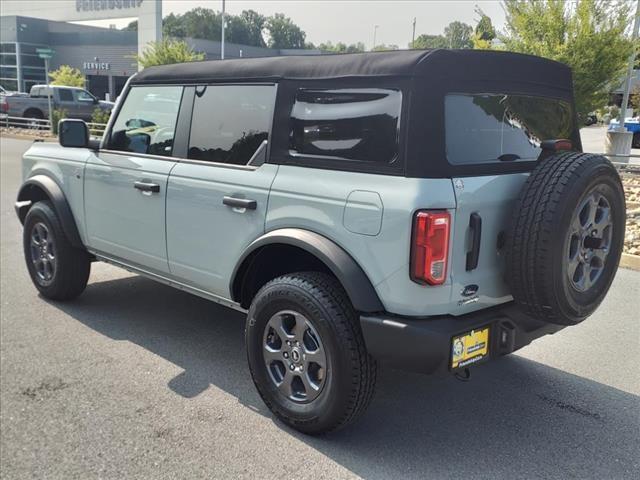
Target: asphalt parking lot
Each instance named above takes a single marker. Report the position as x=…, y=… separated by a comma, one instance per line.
x=137, y=380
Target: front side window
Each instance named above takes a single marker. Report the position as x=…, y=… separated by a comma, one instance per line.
x=230, y=122
x=346, y=124
x=65, y=95
x=146, y=123
x=84, y=96
x=486, y=128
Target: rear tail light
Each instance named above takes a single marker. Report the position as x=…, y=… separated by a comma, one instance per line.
x=4, y=105
x=430, y=247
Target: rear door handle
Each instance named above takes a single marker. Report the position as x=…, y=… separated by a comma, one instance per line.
x=475, y=225
x=147, y=187
x=239, y=202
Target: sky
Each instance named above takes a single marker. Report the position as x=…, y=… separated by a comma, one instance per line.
x=351, y=21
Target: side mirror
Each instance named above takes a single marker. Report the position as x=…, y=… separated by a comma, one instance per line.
x=96, y=101
x=73, y=133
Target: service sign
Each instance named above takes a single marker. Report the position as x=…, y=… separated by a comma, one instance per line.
x=96, y=66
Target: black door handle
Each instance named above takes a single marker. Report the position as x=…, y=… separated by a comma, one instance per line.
x=147, y=187
x=475, y=225
x=239, y=202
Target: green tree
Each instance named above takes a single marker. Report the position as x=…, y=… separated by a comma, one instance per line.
x=202, y=22
x=168, y=51
x=634, y=99
x=173, y=26
x=283, y=33
x=68, y=76
x=425, y=41
x=383, y=48
x=590, y=38
x=340, y=47
x=131, y=27
x=248, y=28
x=254, y=24
x=458, y=35
x=484, y=32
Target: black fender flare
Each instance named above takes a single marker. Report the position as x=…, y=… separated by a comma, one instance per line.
x=359, y=288
x=57, y=198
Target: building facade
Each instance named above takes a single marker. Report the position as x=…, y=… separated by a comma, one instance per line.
x=106, y=57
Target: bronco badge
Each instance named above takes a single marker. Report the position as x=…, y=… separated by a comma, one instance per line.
x=469, y=290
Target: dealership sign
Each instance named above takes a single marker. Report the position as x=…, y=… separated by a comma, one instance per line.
x=99, y=5
x=77, y=10
x=149, y=13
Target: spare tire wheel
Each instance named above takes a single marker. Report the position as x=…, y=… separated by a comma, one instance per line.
x=566, y=237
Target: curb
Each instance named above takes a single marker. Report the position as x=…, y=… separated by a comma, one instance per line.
x=629, y=261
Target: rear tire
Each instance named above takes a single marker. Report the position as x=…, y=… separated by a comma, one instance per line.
x=58, y=270
x=311, y=311
x=566, y=237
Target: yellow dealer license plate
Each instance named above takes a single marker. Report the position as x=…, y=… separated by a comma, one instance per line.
x=470, y=347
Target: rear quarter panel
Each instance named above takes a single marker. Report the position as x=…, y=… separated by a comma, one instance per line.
x=317, y=200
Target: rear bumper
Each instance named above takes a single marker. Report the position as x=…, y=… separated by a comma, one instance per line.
x=424, y=345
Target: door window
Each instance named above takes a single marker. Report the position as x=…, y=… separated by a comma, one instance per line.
x=65, y=95
x=146, y=123
x=230, y=122
x=347, y=124
x=84, y=96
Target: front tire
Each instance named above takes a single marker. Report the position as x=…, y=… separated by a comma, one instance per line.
x=306, y=353
x=58, y=270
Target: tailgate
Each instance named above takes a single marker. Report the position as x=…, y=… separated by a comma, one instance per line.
x=482, y=216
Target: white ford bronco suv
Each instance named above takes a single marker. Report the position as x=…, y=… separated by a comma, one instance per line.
x=425, y=209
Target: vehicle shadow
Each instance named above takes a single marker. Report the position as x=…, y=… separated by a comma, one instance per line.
x=516, y=418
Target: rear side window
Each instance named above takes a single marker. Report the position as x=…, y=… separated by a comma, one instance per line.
x=485, y=128
x=346, y=124
x=65, y=95
x=230, y=122
x=146, y=123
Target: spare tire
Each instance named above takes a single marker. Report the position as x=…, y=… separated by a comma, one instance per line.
x=566, y=237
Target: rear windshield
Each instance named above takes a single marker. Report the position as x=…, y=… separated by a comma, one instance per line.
x=486, y=128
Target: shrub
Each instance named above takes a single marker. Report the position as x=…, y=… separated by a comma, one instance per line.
x=56, y=116
x=99, y=115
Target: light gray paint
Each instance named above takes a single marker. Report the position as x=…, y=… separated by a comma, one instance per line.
x=185, y=234
x=205, y=238
x=121, y=221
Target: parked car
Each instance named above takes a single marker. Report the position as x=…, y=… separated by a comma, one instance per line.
x=77, y=102
x=426, y=209
x=590, y=119
x=632, y=124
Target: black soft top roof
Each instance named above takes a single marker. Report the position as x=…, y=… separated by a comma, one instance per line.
x=425, y=77
x=438, y=63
